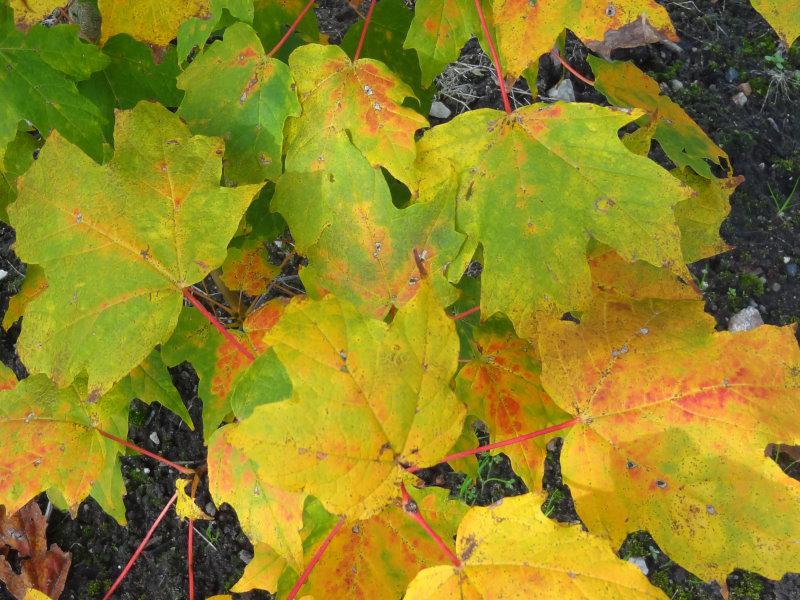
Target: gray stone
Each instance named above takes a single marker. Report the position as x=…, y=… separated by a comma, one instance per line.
x=792, y=269
x=439, y=110
x=739, y=99
x=676, y=85
x=745, y=320
x=563, y=91
x=154, y=438
x=211, y=510
x=245, y=556
x=639, y=562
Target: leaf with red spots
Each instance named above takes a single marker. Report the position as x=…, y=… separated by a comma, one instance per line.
x=783, y=16
x=235, y=91
x=533, y=198
x=350, y=568
x=625, y=85
x=511, y=550
x=118, y=243
x=268, y=515
x=49, y=440
x=8, y=381
x=247, y=267
x=43, y=570
x=674, y=419
x=367, y=399
x=502, y=387
x=362, y=99
x=527, y=30
x=217, y=361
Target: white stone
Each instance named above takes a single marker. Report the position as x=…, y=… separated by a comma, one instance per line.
x=639, y=562
x=154, y=438
x=3, y=274
x=740, y=99
x=745, y=320
x=439, y=110
x=563, y=91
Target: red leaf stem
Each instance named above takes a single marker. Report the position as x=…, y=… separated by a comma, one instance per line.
x=220, y=327
x=412, y=510
x=291, y=29
x=509, y=442
x=141, y=547
x=495, y=57
x=364, y=31
x=314, y=560
x=190, y=559
x=571, y=69
x=466, y=313
x=140, y=450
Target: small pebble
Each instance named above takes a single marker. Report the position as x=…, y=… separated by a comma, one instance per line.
x=745, y=320
x=739, y=99
x=776, y=287
x=745, y=88
x=639, y=562
x=154, y=438
x=792, y=269
x=731, y=75
x=439, y=110
x=563, y=91
x=676, y=85
x=211, y=510
x=245, y=556
x=3, y=274
x=146, y=471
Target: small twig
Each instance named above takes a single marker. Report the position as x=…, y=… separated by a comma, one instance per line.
x=557, y=55
x=364, y=31
x=140, y=450
x=495, y=58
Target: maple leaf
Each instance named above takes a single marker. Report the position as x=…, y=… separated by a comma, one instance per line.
x=8, y=380
x=511, y=550
x=149, y=21
x=196, y=32
x=42, y=569
x=367, y=399
x=119, y=242
x=363, y=99
x=361, y=247
x=39, y=85
x=32, y=287
x=783, y=16
x=272, y=19
x=16, y=159
x=502, y=387
x=349, y=569
x=625, y=85
x=438, y=32
x=151, y=382
x=674, y=419
x=534, y=239
x=185, y=506
x=218, y=362
x=235, y=91
x=526, y=31
x=268, y=515
x=45, y=432
x=247, y=267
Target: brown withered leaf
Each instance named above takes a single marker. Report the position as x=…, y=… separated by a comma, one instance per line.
x=42, y=569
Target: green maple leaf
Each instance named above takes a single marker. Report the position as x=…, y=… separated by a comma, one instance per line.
x=195, y=32
x=235, y=91
x=37, y=84
x=535, y=186
x=119, y=242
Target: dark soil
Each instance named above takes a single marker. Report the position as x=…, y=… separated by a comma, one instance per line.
x=724, y=45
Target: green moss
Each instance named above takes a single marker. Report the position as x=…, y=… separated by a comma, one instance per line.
x=138, y=414
x=751, y=285
x=748, y=587
x=94, y=588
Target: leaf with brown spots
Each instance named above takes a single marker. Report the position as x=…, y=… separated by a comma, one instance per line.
x=235, y=91
x=502, y=387
x=49, y=440
x=627, y=86
x=43, y=571
x=151, y=21
x=367, y=399
x=527, y=30
x=118, y=243
x=350, y=569
x=534, y=187
x=783, y=16
x=511, y=550
x=674, y=419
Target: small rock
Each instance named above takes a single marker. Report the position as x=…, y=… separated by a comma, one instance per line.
x=731, y=75
x=439, y=110
x=745, y=320
x=563, y=91
x=211, y=510
x=776, y=287
x=739, y=99
x=792, y=269
x=245, y=556
x=154, y=438
x=3, y=274
x=676, y=85
x=639, y=562
x=745, y=88
x=787, y=260
x=146, y=471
